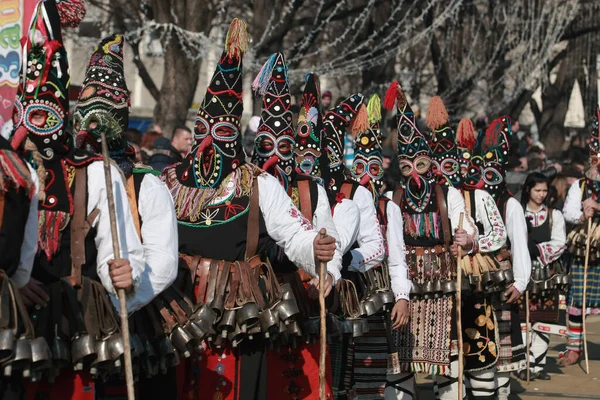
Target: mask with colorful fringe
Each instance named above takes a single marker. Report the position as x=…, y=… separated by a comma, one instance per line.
x=471, y=163
x=274, y=144
x=367, y=167
x=217, y=149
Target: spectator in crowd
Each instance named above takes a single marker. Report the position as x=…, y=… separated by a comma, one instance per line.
x=250, y=135
x=163, y=154
x=147, y=144
x=326, y=100
x=154, y=128
x=138, y=153
x=561, y=185
x=133, y=136
x=182, y=141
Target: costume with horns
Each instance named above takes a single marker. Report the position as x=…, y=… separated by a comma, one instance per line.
x=368, y=251
x=103, y=106
x=230, y=213
x=370, y=352
x=274, y=152
x=429, y=212
x=479, y=329
x=586, y=188
x=75, y=241
x=493, y=154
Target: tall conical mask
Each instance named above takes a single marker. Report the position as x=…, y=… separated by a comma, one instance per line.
x=367, y=167
x=274, y=144
x=42, y=105
x=217, y=149
x=103, y=104
x=444, y=154
x=495, y=153
x=335, y=123
x=309, y=131
x=414, y=153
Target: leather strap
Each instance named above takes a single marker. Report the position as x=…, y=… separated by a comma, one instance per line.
x=176, y=308
x=305, y=200
x=443, y=208
x=253, y=222
x=231, y=298
x=222, y=279
x=212, y=281
x=132, y=198
x=202, y=272
x=78, y=225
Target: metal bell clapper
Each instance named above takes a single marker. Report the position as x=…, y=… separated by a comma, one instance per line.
x=268, y=322
x=103, y=359
x=7, y=344
x=41, y=357
x=61, y=353
x=181, y=340
x=116, y=348
x=236, y=336
x=247, y=316
x=83, y=351
x=227, y=323
x=287, y=309
x=23, y=357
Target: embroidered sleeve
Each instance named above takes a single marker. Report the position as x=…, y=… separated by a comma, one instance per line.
x=285, y=223
x=397, y=257
x=552, y=250
x=370, y=240
x=494, y=235
x=516, y=228
x=573, y=209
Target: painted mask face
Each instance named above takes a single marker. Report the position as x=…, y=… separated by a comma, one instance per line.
x=495, y=149
x=444, y=157
x=309, y=131
x=274, y=144
x=472, y=173
x=41, y=108
x=103, y=104
x=595, y=141
x=368, y=159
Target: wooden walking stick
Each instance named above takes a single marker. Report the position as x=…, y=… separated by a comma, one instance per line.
x=112, y=214
x=323, y=333
x=527, y=335
x=459, y=273
x=584, y=306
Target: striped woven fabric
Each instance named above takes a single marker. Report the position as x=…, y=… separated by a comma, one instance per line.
x=370, y=359
x=593, y=285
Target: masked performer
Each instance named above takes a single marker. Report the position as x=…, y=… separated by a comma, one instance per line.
x=494, y=151
x=368, y=250
x=454, y=155
x=582, y=204
x=547, y=239
x=429, y=213
x=103, y=106
x=75, y=261
x=370, y=351
x=274, y=152
x=229, y=212
x=18, y=241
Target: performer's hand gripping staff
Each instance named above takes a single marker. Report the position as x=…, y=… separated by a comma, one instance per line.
x=115, y=266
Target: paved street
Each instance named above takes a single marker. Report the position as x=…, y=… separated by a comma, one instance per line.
x=567, y=383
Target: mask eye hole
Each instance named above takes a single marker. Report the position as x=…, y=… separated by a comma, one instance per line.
x=266, y=144
x=374, y=169
x=38, y=118
x=285, y=148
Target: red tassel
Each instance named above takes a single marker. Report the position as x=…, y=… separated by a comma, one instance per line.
x=390, y=96
x=436, y=113
x=465, y=134
x=491, y=133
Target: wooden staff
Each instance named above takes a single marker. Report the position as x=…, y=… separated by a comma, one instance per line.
x=112, y=214
x=461, y=365
x=323, y=333
x=527, y=335
x=584, y=307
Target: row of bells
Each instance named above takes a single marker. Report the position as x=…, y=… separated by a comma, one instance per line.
x=577, y=242
x=488, y=282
